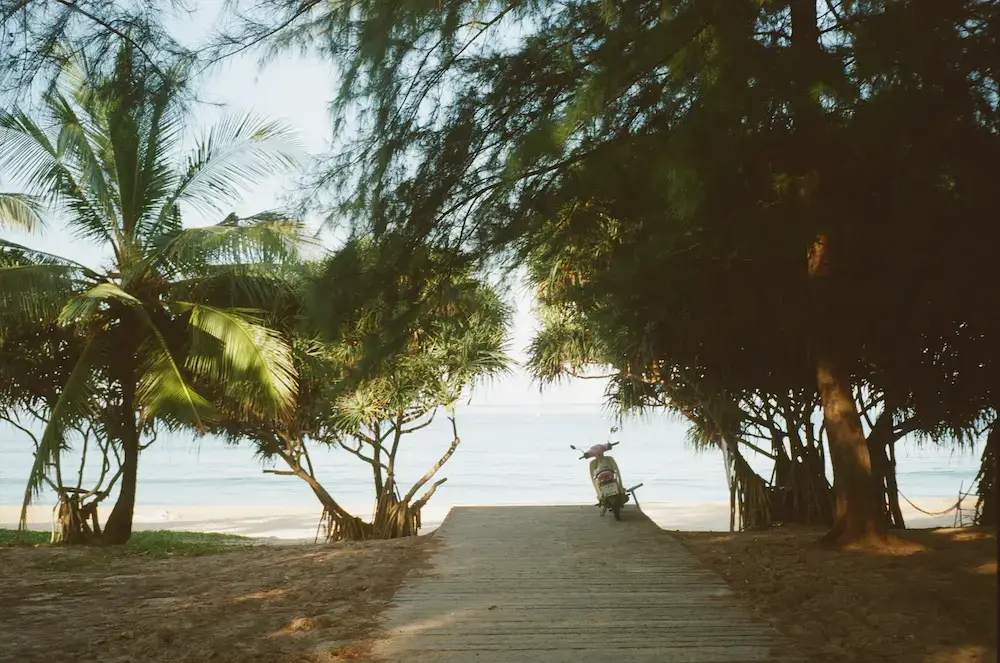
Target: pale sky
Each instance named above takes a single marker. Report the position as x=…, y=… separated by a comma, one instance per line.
x=298, y=90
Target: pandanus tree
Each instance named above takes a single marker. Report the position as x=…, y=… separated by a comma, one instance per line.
x=381, y=349
x=584, y=310
x=35, y=362
x=170, y=305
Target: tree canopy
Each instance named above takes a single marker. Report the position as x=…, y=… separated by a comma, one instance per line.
x=175, y=304
x=379, y=350
x=766, y=196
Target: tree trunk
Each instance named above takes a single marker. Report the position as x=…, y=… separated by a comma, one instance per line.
x=118, y=529
x=892, y=488
x=339, y=525
x=986, y=505
x=881, y=445
x=858, y=516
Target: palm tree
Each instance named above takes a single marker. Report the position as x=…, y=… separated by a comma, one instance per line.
x=173, y=307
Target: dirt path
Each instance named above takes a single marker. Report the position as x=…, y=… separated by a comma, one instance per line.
x=267, y=604
x=556, y=584
x=933, y=600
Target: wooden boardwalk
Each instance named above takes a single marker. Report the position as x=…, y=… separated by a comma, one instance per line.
x=558, y=584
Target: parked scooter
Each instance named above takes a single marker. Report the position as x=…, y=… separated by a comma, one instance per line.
x=604, y=472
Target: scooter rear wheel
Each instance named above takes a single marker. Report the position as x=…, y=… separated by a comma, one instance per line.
x=617, y=510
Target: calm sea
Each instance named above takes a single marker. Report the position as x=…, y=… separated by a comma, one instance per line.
x=508, y=455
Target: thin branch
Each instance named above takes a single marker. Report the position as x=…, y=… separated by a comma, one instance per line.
x=152, y=439
x=305, y=8
x=407, y=431
x=357, y=452
x=284, y=473
x=605, y=376
x=754, y=447
x=34, y=440
x=121, y=35
x=85, y=434
x=437, y=466
x=419, y=504
x=305, y=454
x=14, y=10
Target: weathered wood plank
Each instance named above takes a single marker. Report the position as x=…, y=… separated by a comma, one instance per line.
x=559, y=584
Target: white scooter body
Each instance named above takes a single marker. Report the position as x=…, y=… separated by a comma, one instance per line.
x=607, y=480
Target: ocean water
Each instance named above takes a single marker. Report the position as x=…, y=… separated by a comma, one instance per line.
x=508, y=455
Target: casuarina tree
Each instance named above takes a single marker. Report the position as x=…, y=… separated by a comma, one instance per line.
x=760, y=165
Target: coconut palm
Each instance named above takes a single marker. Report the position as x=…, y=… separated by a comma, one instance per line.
x=172, y=307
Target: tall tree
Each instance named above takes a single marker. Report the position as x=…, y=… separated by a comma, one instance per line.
x=759, y=165
x=173, y=304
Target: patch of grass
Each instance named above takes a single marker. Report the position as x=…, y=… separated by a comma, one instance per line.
x=13, y=537
x=162, y=543
x=158, y=544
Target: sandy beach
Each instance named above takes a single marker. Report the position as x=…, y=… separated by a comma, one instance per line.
x=298, y=523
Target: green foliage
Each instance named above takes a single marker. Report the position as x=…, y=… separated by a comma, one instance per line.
x=176, y=306
x=38, y=37
x=379, y=347
x=375, y=340
x=26, y=537
x=664, y=168
x=654, y=153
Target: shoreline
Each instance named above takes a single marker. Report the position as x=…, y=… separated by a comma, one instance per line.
x=299, y=523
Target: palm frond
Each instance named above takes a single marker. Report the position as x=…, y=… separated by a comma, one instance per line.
x=20, y=212
x=82, y=307
x=83, y=142
x=261, y=239
x=34, y=286
x=238, y=153
x=256, y=286
x=164, y=391
x=154, y=130
x=233, y=349
x=40, y=164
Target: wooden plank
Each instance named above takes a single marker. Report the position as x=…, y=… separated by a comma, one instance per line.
x=558, y=584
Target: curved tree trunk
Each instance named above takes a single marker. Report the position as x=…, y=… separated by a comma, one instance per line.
x=118, y=529
x=75, y=522
x=338, y=524
x=986, y=505
x=892, y=488
x=858, y=516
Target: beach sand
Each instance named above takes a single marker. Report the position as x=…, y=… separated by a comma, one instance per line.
x=934, y=602
x=299, y=523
